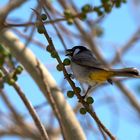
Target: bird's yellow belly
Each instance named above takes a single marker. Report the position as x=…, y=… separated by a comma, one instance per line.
x=100, y=76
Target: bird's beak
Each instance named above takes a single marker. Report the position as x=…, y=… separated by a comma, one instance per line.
x=69, y=52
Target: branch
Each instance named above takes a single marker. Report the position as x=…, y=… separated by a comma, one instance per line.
x=8, y=8
x=30, y=108
x=28, y=60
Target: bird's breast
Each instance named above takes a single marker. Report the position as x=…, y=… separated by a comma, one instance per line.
x=80, y=72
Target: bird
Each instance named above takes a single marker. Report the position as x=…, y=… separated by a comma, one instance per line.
x=88, y=69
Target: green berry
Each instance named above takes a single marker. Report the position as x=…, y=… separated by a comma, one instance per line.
x=41, y=29
x=118, y=3
x=105, y=1
x=66, y=61
x=43, y=16
x=100, y=13
x=1, y=74
x=70, y=94
x=89, y=100
x=96, y=9
x=5, y=53
x=54, y=54
x=107, y=8
x=70, y=21
x=1, y=62
x=67, y=13
x=59, y=67
x=77, y=90
x=83, y=111
x=11, y=81
x=49, y=48
x=83, y=16
x=19, y=69
x=86, y=8
x=1, y=48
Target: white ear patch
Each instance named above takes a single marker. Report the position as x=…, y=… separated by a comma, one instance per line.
x=76, y=51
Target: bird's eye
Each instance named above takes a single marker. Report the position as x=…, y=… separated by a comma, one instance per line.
x=76, y=51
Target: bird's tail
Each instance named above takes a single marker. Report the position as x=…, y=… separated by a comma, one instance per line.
x=126, y=72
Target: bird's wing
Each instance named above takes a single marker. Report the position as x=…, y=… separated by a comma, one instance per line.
x=88, y=61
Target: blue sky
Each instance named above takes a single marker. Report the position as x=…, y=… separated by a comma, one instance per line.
x=118, y=27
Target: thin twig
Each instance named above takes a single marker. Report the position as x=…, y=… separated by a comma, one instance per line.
x=31, y=109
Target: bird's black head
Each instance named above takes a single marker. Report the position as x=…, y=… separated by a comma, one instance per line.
x=75, y=50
